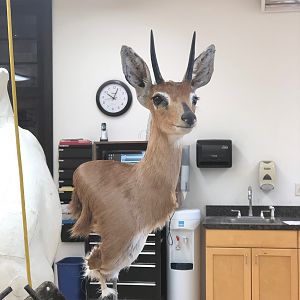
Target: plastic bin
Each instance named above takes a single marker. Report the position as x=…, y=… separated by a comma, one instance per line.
x=70, y=277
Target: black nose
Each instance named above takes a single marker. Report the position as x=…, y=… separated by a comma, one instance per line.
x=188, y=116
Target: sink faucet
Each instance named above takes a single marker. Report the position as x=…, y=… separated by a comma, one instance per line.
x=272, y=208
x=250, y=201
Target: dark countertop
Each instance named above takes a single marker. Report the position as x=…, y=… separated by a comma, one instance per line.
x=224, y=223
x=219, y=217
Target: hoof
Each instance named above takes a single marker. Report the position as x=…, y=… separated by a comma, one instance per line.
x=110, y=297
x=108, y=294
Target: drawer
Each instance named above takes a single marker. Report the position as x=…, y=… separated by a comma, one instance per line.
x=140, y=272
x=65, y=197
x=152, y=237
x=150, y=246
x=92, y=241
x=128, y=290
x=75, y=152
x=72, y=164
x=65, y=182
x=251, y=238
x=148, y=257
x=65, y=174
x=145, y=257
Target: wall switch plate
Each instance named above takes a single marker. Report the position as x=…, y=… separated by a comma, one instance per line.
x=297, y=189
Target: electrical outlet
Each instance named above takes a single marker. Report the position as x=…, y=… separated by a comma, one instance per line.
x=297, y=189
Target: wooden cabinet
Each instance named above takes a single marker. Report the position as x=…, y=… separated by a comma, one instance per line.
x=243, y=264
x=274, y=274
x=228, y=274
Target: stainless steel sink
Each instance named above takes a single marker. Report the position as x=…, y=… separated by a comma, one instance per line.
x=252, y=220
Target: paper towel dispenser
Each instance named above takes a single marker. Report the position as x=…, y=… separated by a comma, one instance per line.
x=214, y=153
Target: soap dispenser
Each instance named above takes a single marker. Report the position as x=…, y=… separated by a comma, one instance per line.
x=267, y=174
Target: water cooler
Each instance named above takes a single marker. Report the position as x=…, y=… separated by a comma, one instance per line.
x=183, y=270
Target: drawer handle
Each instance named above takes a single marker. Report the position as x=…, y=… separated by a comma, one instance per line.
x=142, y=266
x=94, y=243
x=61, y=171
x=61, y=160
x=147, y=253
x=137, y=283
x=127, y=283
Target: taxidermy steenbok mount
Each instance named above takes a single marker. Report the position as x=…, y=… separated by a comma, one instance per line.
x=123, y=203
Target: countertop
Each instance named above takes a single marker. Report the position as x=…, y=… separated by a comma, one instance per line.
x=218, y=217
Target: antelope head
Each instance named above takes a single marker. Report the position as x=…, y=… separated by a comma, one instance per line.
x=172, y=104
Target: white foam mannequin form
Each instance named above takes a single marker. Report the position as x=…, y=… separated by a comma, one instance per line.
x=42, y=205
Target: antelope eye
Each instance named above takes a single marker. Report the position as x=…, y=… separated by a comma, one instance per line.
x=160, y=100
x=195, y=99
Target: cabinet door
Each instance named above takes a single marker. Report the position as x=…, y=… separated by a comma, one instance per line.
x=228, y=274
x=274, y=274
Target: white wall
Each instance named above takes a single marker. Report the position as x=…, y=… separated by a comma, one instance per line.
x=253, y=98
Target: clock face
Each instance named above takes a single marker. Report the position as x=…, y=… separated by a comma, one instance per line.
x=113, y=98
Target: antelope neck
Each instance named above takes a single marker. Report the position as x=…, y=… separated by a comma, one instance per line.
x=162, y=158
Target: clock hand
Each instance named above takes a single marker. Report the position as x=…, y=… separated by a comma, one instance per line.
x=115, y=94
x=109, y=95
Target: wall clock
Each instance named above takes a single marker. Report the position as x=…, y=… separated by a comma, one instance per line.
x=114, y=98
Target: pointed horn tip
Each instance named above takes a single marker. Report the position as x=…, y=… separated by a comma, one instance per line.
x=151, y=36
x=194, y=38
x=193, y=41
x=156, y=71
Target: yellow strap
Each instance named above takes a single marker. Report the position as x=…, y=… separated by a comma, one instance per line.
x=15, y=107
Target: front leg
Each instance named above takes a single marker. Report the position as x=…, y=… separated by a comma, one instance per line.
x=93, y=271
x=106, y=292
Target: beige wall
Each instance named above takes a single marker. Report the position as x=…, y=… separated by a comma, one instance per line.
x=253, y=98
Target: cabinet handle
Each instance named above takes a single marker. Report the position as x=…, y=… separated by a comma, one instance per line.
x=256, y=259
x=246, y=259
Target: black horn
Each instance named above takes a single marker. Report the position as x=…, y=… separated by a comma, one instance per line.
x=157, y=75
x=189, y=71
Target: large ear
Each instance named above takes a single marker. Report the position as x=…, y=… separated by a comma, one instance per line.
x=203, y=68
x=136, y=73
